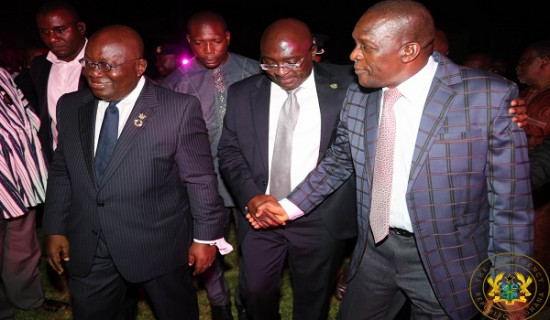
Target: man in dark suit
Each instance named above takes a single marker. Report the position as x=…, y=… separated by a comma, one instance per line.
x=315, y=244
x=457, y=185
x=130, y=217
x=58, y=71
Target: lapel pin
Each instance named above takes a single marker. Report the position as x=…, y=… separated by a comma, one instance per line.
x=334, y=85
x=139, y=122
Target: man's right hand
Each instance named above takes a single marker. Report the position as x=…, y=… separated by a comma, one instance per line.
x=57, y=249
x=268, y=214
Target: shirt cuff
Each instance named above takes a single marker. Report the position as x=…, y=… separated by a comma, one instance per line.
x=292, y=211
x=223, y=246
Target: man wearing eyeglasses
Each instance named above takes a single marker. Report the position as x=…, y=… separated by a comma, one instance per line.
x=253, y=153
x=132, y=193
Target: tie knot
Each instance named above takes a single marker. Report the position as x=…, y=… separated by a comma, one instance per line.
x=113, y=104
x=293, y=91
x=391, y=96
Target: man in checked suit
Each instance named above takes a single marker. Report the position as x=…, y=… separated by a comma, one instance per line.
x=459, y=184
x=314, y=245
x=133, y=219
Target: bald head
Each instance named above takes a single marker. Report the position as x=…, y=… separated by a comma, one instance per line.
x=286, y=32
x=115, y=63
x=410, y=21
x=122, y=37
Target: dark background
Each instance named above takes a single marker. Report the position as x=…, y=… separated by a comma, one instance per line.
x=501, y=29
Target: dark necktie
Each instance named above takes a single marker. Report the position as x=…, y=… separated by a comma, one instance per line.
x=280, y=184
x=383, y=169
x=107, y=140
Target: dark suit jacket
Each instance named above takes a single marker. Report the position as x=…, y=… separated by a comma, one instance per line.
x=243, y=147
x=158, y=191
x=468, y=193
x=40, y=72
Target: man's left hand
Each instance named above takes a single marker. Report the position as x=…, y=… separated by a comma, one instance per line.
x=201, y=255
x=519, y=110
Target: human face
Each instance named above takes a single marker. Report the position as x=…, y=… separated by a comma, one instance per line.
x=376, y=55
x=528, y=67
x=120, y=81
x=62, y=34
x=288, y=51
x=209, y=42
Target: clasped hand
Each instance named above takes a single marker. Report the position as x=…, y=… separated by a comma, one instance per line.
x=264, y=212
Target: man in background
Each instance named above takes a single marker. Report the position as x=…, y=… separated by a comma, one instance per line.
x=58, y=71
x=207, y=77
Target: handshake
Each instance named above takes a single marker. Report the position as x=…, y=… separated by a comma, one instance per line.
x=264, y=211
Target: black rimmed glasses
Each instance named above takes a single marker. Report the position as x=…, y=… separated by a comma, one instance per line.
x=285, y=65
x=101, y=65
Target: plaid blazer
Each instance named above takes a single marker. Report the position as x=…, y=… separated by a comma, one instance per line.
x=468, y=194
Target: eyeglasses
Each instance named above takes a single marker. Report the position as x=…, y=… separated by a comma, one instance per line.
x=524, y=61
x=101, y=65
x=284, y=65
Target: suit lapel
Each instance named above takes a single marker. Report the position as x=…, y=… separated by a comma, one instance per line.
x=328, y=96
x=433, y=117
x=86, y=120
x=372, y=115
x=259, y=108
x=146, y=106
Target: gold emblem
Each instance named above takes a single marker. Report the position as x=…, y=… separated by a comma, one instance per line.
x=139, y=122
x=334, y=85
x=509, y=281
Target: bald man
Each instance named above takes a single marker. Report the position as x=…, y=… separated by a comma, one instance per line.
x=442, y=173
x=312, y=246
x=131, y=184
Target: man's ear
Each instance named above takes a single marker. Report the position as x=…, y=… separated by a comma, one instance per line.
x=81, y=27
x=409, y=51
x=141, y=66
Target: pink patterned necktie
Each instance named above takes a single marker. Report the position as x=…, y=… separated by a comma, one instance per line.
x=383, y=169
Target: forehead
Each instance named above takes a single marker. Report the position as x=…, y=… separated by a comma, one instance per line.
x=284, y=46
x=57, y=17
x=207, y=28
x=110, y=51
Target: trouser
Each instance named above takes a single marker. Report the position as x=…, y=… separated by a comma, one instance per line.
x=103, y=294
x=20, y=286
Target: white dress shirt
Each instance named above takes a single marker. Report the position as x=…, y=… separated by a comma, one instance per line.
x=306, y=138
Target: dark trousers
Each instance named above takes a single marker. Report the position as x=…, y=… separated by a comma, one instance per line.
x=389, y=272
x=20, y=285
x=103, y=294
x=313, y=259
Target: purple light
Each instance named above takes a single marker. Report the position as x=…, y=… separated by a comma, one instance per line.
x=184, y=61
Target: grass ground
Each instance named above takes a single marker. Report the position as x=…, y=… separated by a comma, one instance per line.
x=57, y=289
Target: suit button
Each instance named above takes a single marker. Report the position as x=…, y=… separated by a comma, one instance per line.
x=101, y=204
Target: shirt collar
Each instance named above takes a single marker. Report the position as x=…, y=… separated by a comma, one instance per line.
x=416, y=88
x=55, y=60
x=132, y=97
